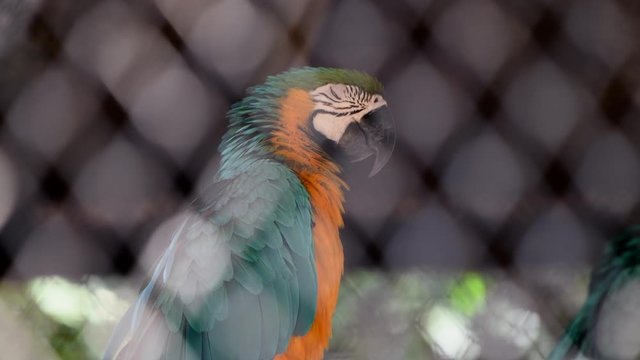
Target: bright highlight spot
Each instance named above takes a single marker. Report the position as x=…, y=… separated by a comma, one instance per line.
x=74, y=304
x=60, y=299
x=449, y=334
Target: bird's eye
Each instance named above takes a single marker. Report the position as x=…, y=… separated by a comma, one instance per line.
x=376, y=100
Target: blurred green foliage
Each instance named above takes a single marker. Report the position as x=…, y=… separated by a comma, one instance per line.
x=468, y=294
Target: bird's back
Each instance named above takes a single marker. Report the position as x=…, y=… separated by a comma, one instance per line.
x=238, y=279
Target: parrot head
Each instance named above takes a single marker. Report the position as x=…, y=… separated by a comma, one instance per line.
x=358, y=122
x=307, y=115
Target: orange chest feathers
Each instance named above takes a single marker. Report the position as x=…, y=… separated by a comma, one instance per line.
x=319, y=176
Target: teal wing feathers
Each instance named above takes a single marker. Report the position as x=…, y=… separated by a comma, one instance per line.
x=238, y=279
x=621, y=263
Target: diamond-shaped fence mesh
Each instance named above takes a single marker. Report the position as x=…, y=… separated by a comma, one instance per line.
x=517, y=156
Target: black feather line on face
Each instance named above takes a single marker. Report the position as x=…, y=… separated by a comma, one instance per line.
x=344, y=113
x=334, y=94
x=328, y=97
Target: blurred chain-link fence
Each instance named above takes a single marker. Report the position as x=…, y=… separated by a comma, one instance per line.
x=518, y=153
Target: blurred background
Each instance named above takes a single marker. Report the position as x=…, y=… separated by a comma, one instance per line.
x=517, y=159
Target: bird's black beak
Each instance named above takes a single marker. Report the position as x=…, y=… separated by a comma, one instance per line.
x=374, y=134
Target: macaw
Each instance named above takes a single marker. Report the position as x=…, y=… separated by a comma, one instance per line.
x=608, y=324
x=254, y=270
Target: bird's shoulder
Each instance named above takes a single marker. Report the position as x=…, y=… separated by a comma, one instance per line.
x=246, y=228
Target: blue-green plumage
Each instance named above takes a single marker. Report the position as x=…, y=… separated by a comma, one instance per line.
x=619, y=268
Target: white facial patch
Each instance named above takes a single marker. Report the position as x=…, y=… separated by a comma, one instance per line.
x=338, y=105
x=330, y=126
